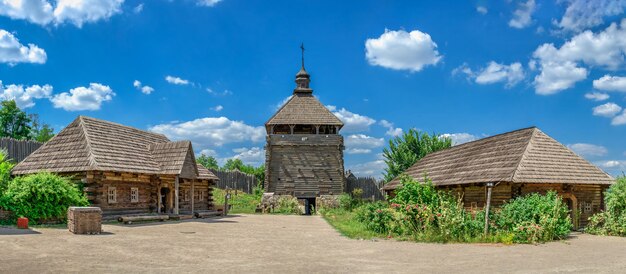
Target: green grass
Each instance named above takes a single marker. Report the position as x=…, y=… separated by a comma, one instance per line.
x=345, y=222
x=241, y=203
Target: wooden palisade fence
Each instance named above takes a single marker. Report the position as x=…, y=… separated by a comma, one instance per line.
x=18, y=150
x=370, y=186
x=235, y=179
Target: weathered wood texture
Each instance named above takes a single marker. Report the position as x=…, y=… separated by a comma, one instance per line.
x=304, y=165
x=235, y=180
x=84, y=220
x=18, y=150
x=97, y=185
x=588, y=198
x=370, y=186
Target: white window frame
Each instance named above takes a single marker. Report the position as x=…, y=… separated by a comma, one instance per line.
x=112, y=195
x=186, y=193
x=201, y=195
x=134, y=195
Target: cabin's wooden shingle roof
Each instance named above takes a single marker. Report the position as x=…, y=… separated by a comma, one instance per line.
x=93, y=144
x=304, y=109
x=522, y=156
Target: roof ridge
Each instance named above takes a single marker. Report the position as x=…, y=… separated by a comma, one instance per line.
x=120, y=125
x=519, y=164
x=580, y=157
x=493, y=136
x=281, y=108
x=92, y=159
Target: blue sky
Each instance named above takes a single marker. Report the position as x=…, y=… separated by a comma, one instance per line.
x=214, y=71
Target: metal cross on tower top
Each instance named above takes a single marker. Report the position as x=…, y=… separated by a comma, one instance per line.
x=302, y=48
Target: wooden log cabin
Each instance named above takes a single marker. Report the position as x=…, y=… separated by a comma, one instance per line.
x=124, y=170
x=514, y=164
x=304, y=150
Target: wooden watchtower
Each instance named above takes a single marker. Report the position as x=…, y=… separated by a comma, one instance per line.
x=304, y=151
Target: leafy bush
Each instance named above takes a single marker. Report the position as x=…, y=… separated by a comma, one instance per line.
x=377, y=217
x=535, y=218
x=288, y=205
x=42, y=197
x=613, y=220
x=5, y=171
x=240, y=203
x=347, y=202
x=434, y=215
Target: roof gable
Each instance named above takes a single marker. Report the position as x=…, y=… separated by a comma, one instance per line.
x=93, y=144
x=304, y=109
x=521, y=156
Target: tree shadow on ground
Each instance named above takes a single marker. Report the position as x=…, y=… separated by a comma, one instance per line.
x=16, y=231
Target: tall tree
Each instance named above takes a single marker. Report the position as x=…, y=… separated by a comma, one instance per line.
x=407, y=149
x=234, y=164
x=40, y=133
x=14, y=123
x=207, y=161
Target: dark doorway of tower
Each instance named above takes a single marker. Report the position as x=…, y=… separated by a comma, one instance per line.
x=309, y=206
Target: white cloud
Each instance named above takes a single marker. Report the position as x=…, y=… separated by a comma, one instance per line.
x=482, y=10
x=561, y=68
x=83, y=98
x=522, y=16
x=210, y=132
x=588, y=150
x=619, y=120
x=138, y=8
x=362, y=144
x=207, y=152
x=13, y=52
x=612, y=164
x=607, y=110
x=252, y=156
x=460, y=138
x=610, y=83
x=223, y=93
x=391, y=130
x=208, y=3
x=217, y=108
x=373, y=168
x=352, y=122
x=494, y=73
x=597, y=96
x=144, y=89
x=77, y=12
x=24, y=97
x=401, y=50
x=584, y=14
x=176, y=80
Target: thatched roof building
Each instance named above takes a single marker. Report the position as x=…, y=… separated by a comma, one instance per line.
x=105, y=154
x=517, y=162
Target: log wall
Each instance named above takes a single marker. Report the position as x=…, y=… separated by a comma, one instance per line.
x=304, y=165
x=589, y=198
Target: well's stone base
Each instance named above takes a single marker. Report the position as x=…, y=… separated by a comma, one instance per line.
x=84, y=220
x=327, y=201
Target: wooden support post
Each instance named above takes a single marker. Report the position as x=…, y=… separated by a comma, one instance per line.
x=226, y=197
x=291, y=128
x=193, y=194
x=176, y=191
x=158, y=189
x=317, y=129
x=489, y=187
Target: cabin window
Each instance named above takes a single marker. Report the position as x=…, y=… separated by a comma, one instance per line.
x=134, y=195
x=587, y=207
x=201, y=195
x=186, y=195
x=112, y=195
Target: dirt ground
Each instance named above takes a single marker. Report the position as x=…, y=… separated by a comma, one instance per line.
x=285, y=244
